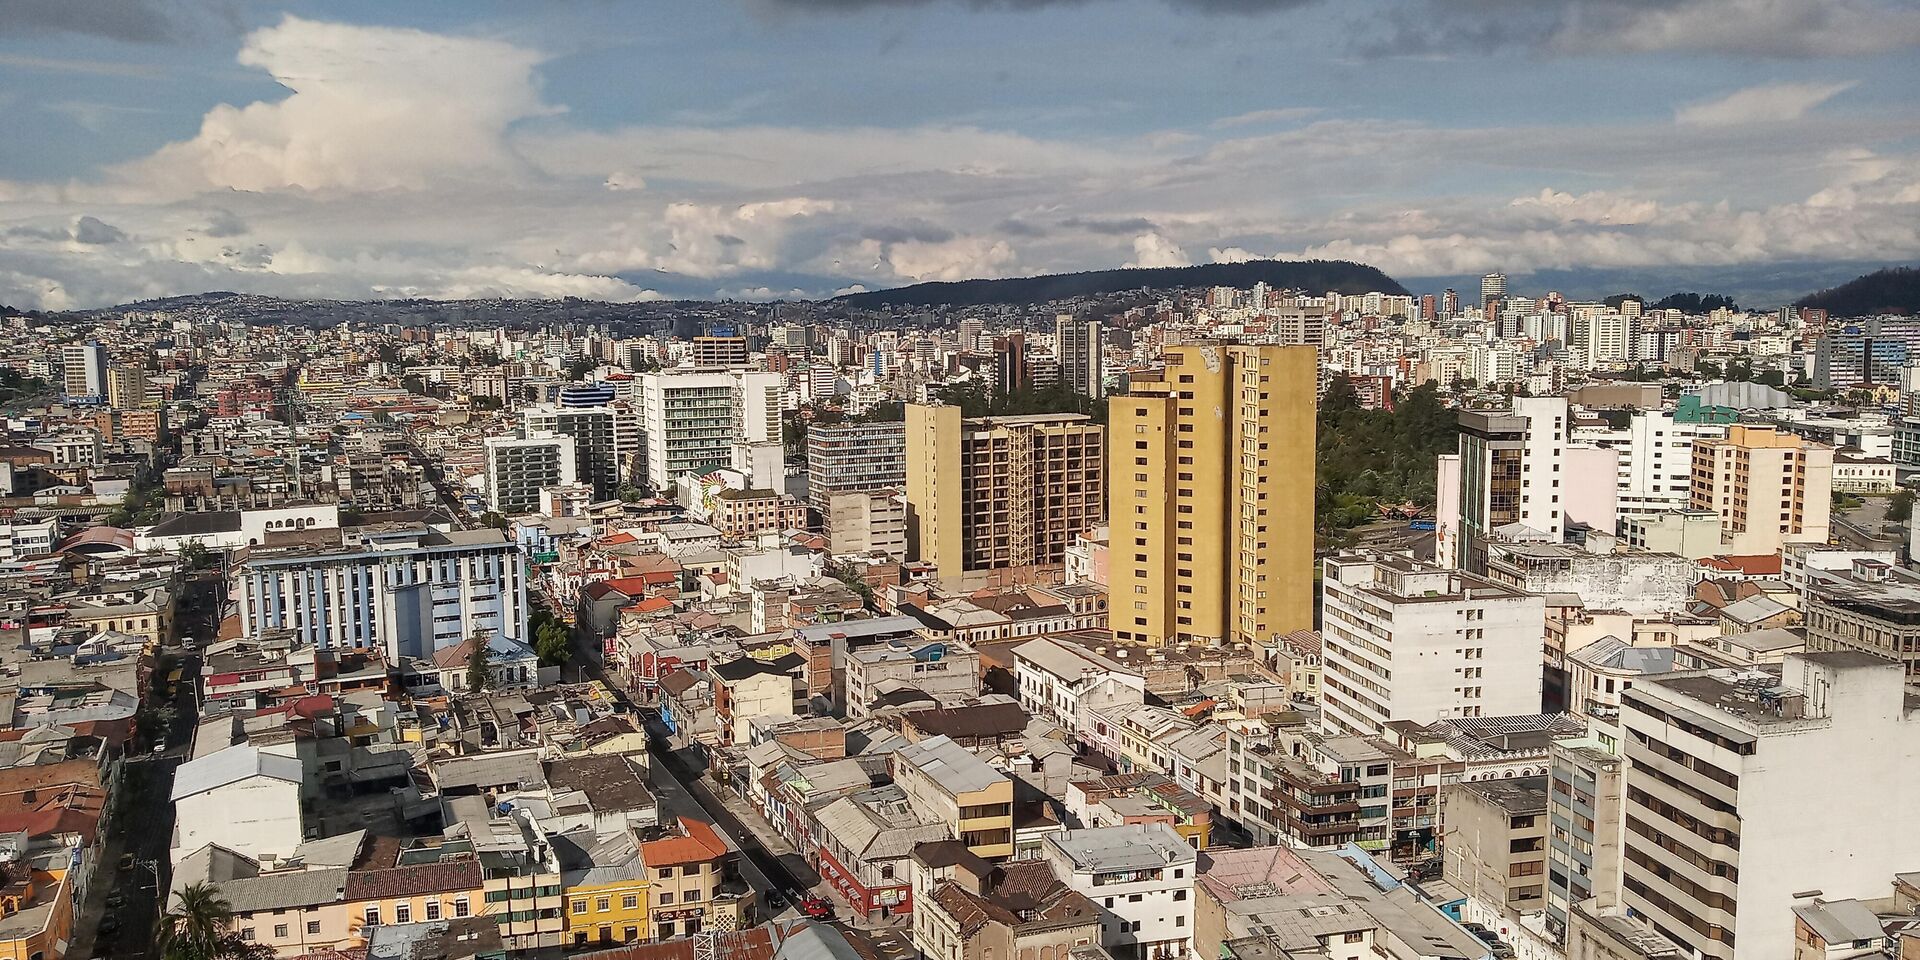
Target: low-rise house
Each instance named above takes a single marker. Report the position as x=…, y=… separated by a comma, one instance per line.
x=1139, y=798
x=688, y=890
x=940, y=669
x=1016, y=909
x=950, y=786
x=243, y=798
x=1140, y=878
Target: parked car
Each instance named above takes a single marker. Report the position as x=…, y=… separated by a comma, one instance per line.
x=819, y=908
x=1500, y=950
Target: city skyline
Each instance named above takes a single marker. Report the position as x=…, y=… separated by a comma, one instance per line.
x=780, y=148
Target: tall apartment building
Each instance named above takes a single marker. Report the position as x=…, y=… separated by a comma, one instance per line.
x=1508, y=471
x=854, y=458
x=518, y=468
x=1212, y=503
x=606, y=440
x=710, y=353
x=1404, y=641
x=86, y=370
x=1655, y=460
x=126, y=387
x=1012, y=373
x=406, y=590
x=1077, y=343
x=1000, y=494
x=1769, y=488
x=693, y=419
x=1747, y=789
x=1493, y=286
x=1586, y=788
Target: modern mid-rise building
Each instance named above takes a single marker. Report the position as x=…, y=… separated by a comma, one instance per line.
x=1211, y=511
x=992, y=496
x=854, y=458
x=1077, y=344
x=1736, y=805
x=126, y=387
x=1655, y=460
x=1584, y=814
x=86, y=370
x=518, y=468
x=606, y=441
x=719, y=352
x=947, y=784
x=1770, y=488
x=409, y=591
x=1404, y=641
x=1873, y=607
x=1508, y=472
x=693, y=419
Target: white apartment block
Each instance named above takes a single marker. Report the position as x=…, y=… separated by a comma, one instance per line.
x=1747, y=790
x=1405, y=641
x=1655, y=460
x=407, y=591
x=1141, y=876
x=693, y=419
x=518, y=468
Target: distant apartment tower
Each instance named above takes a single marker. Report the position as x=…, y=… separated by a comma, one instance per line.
x=990, y=495
x=1012, y=373
x=711, y=353
x=409, y=592
x=606, y=440
x=1449, y=304
x=126, y=387
x=1508, y=472
x=1078, y=346
x=854, y=458
x=693, y=419
x=1493, y=287
x=1748, y=790
x=86, y=370
x=1401, y=640
x=1769, y=488
x=1654, y=460
x=518, y=468
x=1429, y=307
x=1212, y=467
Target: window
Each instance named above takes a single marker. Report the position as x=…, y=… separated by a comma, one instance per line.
x=461, y=907
x=246, y=933
x=666, y=872
x=403, y=913
x=1179, y=895
x=313, y=928
x=666, y=897
x=602, y=904
x=433, y=909
x=1355, y=937
x=372, y=915
x=630, y=934
x=691, y=896
x=629, y=902
x=279, y=931
x=579, y=906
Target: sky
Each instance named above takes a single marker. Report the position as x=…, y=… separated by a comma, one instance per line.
x=645, y=149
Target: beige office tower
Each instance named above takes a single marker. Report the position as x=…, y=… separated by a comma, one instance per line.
x=1212, y=504
x=999, y=499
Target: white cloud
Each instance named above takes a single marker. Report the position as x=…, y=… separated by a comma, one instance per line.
x=372, y=108
x=1770, y=103
x=1594, y=207
x=1258, y=117
x=1154, y=250
x=961, y=258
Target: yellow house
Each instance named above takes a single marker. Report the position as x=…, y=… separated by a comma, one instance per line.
x=36, y=916
x=606, y=889
x=685, y=873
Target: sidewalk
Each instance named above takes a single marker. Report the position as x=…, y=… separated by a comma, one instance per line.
x=750, y=818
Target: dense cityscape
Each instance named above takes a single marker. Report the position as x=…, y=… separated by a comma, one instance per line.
x=961, y=632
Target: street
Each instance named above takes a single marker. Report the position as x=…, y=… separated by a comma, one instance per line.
x=118, y=917
x=684, y=793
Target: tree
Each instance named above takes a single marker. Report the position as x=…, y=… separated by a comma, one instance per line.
x=196, y=555
x=551, y=644
x=495, y=520
x=198, y=927
x=1900, y=508
x=414, y=385
x=480, y=664
x=580, y=367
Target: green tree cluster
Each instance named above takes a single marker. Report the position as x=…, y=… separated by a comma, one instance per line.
x=1367, y=458
x=199, y=926
x=1900, y=508
x=550, y=638
x=976, y=399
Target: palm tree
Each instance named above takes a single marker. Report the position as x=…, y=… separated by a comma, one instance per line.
x=196, y=928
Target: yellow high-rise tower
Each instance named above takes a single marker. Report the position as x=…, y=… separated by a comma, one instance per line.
x=1211, y=472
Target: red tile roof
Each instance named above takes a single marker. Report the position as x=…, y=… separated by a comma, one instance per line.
x=700, y=844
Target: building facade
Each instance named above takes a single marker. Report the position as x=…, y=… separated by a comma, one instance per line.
x=1212, y=496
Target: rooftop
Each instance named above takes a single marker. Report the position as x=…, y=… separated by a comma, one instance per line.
x=950, y=765
x=1134, y=846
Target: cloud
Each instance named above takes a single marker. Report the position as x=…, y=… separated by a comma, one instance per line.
x=1244, y=7
x=137, y=21
x=372, y=108
x=1788, y=29
x=104, y=68
x=1261, y=117
x=93, y=232
x=1111, y=227
x=961, y=258
x=1769, y=103
x=222, y=223
x=1154, y=250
